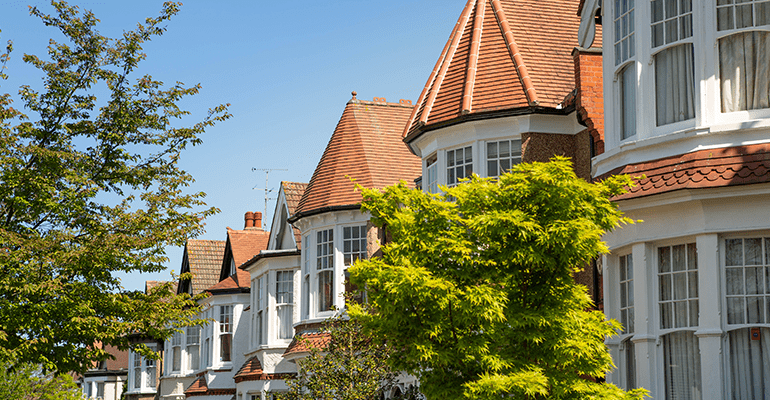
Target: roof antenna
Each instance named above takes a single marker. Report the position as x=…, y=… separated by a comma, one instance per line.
x=266, y=190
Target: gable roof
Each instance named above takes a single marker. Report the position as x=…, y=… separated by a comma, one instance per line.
x=501, y=56
x=241, y=245
x=202, y=258
x=366, y=146
x=291, y=194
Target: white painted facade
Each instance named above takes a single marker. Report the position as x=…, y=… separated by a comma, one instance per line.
x=692, y=325
x=103, y=387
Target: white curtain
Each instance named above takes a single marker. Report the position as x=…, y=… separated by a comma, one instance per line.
x=285, y=316
x=628, y=101
x=744, y=71
x=749, y=364
x=674, y=84
x=681, y=355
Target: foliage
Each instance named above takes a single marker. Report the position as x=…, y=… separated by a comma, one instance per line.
x=476, y=287
x=90, y=187
x=28, y=382
x=349, y=367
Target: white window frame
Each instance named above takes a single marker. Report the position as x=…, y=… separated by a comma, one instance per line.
x=284, y=298
x=324, y=262
x=258, y=310
x=226, y=326
x=513, y=158
x=144, y=367
x=452, y=167
x=306, y=299
x=627, y=364
x=657, y=324
x=176, y=353
x=625, y=33
x=192, y=347
x=430, y=181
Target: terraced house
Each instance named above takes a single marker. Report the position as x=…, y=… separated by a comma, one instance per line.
x=688, y=106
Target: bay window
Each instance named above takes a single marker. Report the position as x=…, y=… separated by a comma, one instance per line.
x=225, y=333
x=671, y=24
x=284, y=298
x=678, y=311
x=143, y=373
x=459, y=165
x=502, y=155
x=325, y=269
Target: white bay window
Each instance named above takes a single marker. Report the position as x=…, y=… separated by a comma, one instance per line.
x=502, y=156
x=193, y=341
x=325, y=269
x=459, y=164
x=143, y=372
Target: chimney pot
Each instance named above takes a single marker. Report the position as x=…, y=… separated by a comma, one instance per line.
x=248, y=220
x=257, y=221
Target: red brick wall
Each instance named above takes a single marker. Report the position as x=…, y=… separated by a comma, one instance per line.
x=590, y=98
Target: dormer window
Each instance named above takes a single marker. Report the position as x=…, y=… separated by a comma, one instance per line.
x=671, y=32
x=744, y=55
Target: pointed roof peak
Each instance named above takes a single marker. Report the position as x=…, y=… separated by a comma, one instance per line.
x=366, y=146
x=500, y=56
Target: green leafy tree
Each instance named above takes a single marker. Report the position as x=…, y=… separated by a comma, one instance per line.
x=348, y=365
x=476, y=287
x=88, y=188
x=26, y=381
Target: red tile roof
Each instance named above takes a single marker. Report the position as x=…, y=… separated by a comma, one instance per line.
x=204, y=258
x=501, y=55
x=293, y=192
x=244, y=245
x=198, y=387
x=250, y=369
x=740, y=165
x=367, y=146
x=303, y=342
x=150, y=285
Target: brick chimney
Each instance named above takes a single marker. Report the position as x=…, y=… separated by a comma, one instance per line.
x=252, y=220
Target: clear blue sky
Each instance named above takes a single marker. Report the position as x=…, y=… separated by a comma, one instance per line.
x=287, y=68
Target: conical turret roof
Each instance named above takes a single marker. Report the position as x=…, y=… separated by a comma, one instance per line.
x=366, y=146
x=503, y=57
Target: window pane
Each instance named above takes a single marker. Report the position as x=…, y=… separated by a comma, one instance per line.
x=505, y=148
x=671, y=31
x=692, y=281
x=628, y=101
x=734, y=253
x=680, y=314
x=674, y=84
x=744, y=16
x=680, y=286
x=755, y=310
x=725, y=18
x=679, y=257
x=666, y=316
x=492, y=168
x=734, y=281
x=664, y=259
x=754, y=281
x=735, y=310
x=753, y=251
x=692, y=256
x=665, y=287
x=623, y=295
x=657, y=10
x=694, y=313
x=762, y=14
x=492, y=150
x=671, y=10
x=325, y=290
x=685, y=26
x=748, y=367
